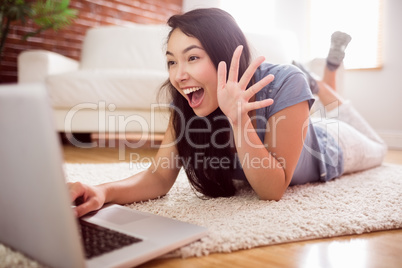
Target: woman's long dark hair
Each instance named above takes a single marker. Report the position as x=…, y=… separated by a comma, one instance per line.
x=208, y=155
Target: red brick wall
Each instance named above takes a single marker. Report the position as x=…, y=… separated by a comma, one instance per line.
x=90, y=13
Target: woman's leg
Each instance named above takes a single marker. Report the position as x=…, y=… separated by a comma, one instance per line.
x=327, y=86
x=330, y=77
x=336, y=54
x=361, y=146
x=329, y=98
x=327, y=89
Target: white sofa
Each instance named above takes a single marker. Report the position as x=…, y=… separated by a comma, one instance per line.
x=113, y=88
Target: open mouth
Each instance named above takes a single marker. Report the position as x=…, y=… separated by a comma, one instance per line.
x=195, y=95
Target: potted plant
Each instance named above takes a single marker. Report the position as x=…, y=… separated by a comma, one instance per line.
x=46, y=14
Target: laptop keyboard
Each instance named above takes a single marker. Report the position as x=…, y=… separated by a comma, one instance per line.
x=98, y=240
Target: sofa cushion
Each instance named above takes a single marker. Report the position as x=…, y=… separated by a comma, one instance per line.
x=138, y=46
x=124, y=88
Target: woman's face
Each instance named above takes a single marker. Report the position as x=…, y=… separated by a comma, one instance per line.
x=192, y=72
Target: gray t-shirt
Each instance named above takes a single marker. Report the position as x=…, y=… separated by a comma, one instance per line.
x=320, y=150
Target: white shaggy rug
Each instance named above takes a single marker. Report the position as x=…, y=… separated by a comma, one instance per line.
x=353, y=204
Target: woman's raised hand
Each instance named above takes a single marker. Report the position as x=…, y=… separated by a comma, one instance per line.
x=87, y=198
x=233, y=98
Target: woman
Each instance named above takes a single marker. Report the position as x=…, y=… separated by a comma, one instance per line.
x=233, y=118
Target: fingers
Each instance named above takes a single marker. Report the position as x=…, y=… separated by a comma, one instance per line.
x=88, y=201
x=89, y=205
x=232, y=80
x=249, y=73
x=221, y=75
x=259, y=104
x=234, y=65
x=76, y=190
x=258, y=86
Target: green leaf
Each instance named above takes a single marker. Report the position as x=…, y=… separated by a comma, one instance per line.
x=53, y=14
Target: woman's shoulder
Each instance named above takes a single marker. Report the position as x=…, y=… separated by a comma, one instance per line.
x=276, y=70
x=283, y=73
x=288, y=88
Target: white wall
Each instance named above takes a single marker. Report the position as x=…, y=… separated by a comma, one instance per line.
x=376, y=94
x=193, y=4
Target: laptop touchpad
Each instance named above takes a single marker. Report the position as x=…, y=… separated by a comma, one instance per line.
x=119, y=215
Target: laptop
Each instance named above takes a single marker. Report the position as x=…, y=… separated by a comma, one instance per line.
x=36, y=211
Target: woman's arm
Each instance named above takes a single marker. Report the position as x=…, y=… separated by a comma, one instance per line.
x=269, y=167
x=149, y=184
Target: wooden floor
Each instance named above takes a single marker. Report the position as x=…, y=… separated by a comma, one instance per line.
x=377, y=249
